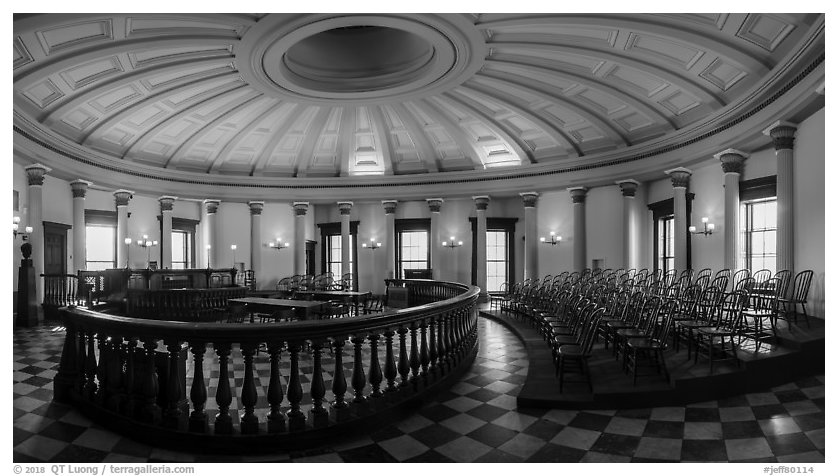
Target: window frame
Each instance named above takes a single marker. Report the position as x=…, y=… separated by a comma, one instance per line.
x=101, y=218
x=661, y=210
x=758, y=190
x=410, y=225
x=328, y=230
x=506, y=225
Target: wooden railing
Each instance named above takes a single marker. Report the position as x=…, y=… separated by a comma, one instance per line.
x=190, y=305
x=129, y=373
x=59, y=290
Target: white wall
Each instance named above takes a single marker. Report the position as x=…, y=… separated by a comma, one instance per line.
x=554, y=213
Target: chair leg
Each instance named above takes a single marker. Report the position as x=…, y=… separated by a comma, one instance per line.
x=805, y=314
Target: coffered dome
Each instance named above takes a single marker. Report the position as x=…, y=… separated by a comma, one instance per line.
x=193, y=96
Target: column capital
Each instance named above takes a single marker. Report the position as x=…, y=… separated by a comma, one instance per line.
x=530, y=199
x=300, y=208
x=122, y=196
x=578, y=194
x=481, y=202
x=434, y=204
x=389, y=206
x=35, y=173
x=680, y=176
x=732, y=160
x=167, y=203
x=782, y=134
x=256, y=207
x=345, y=208
x=628, y=187
x=212, y=205
x=80, y=187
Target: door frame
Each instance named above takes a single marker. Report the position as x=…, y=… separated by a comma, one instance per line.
x=58, y=229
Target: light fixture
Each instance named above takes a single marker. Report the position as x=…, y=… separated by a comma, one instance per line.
x=452, y=244
x=16, y=229
x=278, y=244
x=233, y=247
x=144, y=242
x=374, y=245
x=128, y=242
x=209, y=247
x=708, y=227
x=554, y=239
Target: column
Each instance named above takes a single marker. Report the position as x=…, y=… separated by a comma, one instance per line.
x=345, y=208
x=481, y=203
x=121, y=197
x=733, y=162
x=680, y=181
x=35, y=175
x=79, y=188
x=580, y=239
x=530, y=231
x=390, y=238
x=256, y=239
x=300, y=209
x=631, y=248
x=435, y=206
x=167, y=205
x=212, y=234
x=782, y=135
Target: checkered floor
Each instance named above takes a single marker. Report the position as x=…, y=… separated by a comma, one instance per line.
x=475, y=421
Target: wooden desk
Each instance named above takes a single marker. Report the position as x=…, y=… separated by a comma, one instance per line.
x=270, y=305
x=355, y=296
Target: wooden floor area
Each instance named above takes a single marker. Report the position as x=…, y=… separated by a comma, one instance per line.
x=798, y=351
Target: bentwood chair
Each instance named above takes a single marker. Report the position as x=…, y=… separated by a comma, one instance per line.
x=764, y=303
x=652, y=346
x=761, y=276
x=799, y=295
x=574, y=358
x=738, y=277
x=716, y=342
x=705, y=314
x=725, y=273
x=703, y=277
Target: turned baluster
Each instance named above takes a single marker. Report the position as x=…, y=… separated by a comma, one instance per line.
x=81, y=363
x=432, y=355
x=149, y=411
x=442, y=349
x=424, y=358
x=404, y=362
x=90, y=367
x=67, y=376
x=114, y=372
x=456, y=337
x=389, y=361
x=223, y=396
x=449, y=340
x=296, y=418
x=102, y=369
x=249, y=421
x=198, y=393
x=415, y=363
x=172, y=414
x=319, y=415
x=276, y=420
x=129, y=406
x=359, y=380
x=375, y=368
x=339, y=379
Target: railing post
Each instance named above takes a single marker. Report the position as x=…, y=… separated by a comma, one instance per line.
x=319, y=415
x=114, y=382
x=249, y=421
x=130, y=403
x=173, y=416
x=198, y=422
x=276, y=420
x=149, y=411
x=390, y=371
x=65, y=379
x=449, y=340
x=359, y=380
x=424, y=358
x=404, y=362
x=90, y=367
x=375, y=368
x=296, y=418
x=223, y=396
x=432, y=344
x=339, y=406
x=414, y=356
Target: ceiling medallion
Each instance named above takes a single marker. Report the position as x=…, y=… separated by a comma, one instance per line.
x=360, y=57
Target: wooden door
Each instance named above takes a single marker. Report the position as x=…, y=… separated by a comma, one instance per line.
x=310, y=257
x=55, y=248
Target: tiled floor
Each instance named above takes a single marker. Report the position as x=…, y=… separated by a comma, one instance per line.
x=476, y=420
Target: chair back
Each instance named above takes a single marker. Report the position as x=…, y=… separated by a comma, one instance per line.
x=762, y=276
x=649, y=315
x=802, y=281
x=768, y=295
x=703, y=277
x=590, y=330
x=732, y=307
x=670, y=278
x=746, y=284
x=664, y=318
x=708, y=306
x=784, y=276
x=739, y=276
x=720, y=282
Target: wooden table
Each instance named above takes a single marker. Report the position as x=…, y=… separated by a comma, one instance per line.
x=303, y=309
x=354, y=296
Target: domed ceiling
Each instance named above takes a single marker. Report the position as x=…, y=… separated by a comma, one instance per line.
x=315, y=95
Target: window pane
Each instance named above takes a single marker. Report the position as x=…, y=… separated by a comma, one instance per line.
x=100, y=247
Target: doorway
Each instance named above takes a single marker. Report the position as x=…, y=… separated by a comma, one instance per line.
x=55, y=248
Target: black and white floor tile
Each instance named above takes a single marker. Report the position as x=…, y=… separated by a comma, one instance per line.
x=476, y=420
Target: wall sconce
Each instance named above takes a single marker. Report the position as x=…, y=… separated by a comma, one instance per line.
x=372, y=246
x=144, y=242
x=278, y=244
x=209, y=247
x=452, y=244
x=16, y=227
x=708, y=227
x=128, y=242
x=554, y=239
x=233, y=247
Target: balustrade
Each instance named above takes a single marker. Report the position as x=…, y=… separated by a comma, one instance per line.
x=110, y=368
